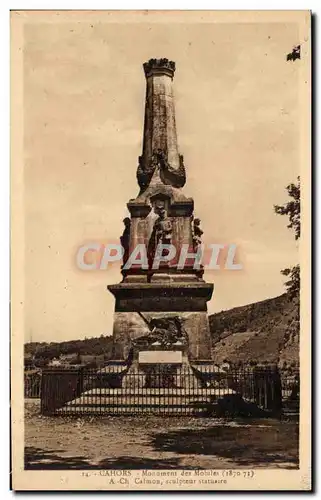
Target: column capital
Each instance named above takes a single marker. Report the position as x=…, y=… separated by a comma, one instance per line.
x=159, y=67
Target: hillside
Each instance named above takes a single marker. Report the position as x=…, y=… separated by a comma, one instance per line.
x=94, y=346
x=264, y=331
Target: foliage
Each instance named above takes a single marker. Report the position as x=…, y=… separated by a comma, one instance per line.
x=292, y=208
x=293, y=283
x=43, y=351
x=271, y=332
x=250, y=317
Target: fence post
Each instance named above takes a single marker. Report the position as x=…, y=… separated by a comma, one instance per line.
x=276, y=387
x=80, y=381
x=42, y=394
x=57, y=388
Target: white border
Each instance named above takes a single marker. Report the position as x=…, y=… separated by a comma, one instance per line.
x=5, y=6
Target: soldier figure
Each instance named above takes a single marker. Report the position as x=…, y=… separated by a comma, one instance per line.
x=197, y=234
x=161, y=234
x=124, y=239
x=163, y=228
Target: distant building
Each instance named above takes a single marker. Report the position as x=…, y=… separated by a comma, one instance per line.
x=72, y=358
x=55, y=362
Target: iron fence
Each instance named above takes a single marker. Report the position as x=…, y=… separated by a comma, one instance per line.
x=32, y=384
x=167, y=390
x=290, y=386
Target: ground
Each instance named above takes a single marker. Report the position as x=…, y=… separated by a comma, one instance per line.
x=157, y=442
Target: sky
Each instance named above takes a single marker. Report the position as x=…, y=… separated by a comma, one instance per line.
x=237, y=116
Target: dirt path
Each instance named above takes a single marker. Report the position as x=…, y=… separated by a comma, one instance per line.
x=156, y=443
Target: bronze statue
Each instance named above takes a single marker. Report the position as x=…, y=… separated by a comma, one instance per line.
x=165, y=331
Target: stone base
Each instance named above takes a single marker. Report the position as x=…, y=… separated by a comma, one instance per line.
x=129, y=326
x=162, y=296
x=138, y=303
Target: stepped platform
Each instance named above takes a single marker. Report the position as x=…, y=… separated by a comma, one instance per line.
x=143, y=401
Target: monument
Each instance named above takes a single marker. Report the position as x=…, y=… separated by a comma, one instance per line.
x=161, y=308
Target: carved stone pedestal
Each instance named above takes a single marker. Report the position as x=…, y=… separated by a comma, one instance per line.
x=137, y=305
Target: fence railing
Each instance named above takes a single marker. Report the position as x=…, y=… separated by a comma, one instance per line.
x=32, y=384
x=167, y=389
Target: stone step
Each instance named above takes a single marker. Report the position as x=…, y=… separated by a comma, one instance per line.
x=143, y=400
x=129, y=410
x=136, y=401
x=158, y=397
x=142, y=391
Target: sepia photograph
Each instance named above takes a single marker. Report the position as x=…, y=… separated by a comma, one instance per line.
x=161, y=250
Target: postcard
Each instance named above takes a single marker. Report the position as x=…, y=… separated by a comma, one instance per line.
x=161, y=250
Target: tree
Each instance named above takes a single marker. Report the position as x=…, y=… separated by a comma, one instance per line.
x=293, y=210
x=293, y=283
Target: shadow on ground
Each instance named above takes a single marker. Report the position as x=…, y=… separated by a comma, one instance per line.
x=232, y=405
x=242, y=443
x=39, y=459
x=247, y=445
